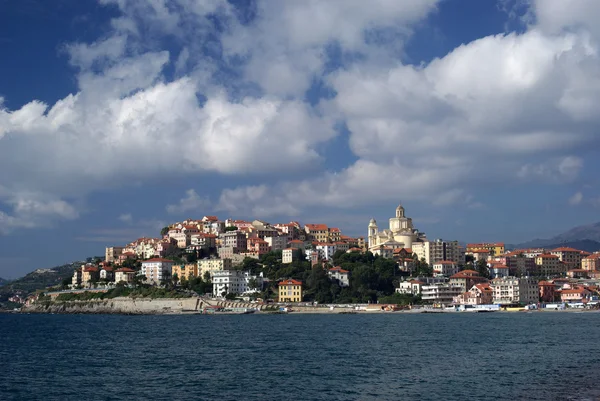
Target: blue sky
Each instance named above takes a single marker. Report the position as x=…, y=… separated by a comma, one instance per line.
x=120, y=116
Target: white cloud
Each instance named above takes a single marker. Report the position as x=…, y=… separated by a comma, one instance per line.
x=126, y=218
x=192, y=202
x=576, y=198
x=562, y=170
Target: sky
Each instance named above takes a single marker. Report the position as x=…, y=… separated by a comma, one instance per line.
x=118, y=117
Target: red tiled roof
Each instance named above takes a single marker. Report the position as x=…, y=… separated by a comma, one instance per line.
x=565, y=249
x=125, y=270
x=211, y=218
x=547, y=256
x=90, y=269
x=334, y=230
x=316, y=227
x=290, y=282
x=338, y=269
x=444, y=262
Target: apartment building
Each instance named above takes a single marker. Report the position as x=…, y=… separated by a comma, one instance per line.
x=513, y=291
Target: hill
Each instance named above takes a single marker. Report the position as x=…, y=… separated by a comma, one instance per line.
x=586, y=238
x=2, y=281
x=40, y=279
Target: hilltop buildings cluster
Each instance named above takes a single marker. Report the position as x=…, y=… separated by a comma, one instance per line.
x=438, y=271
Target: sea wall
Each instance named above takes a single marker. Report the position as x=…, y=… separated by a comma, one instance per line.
x=120, y=305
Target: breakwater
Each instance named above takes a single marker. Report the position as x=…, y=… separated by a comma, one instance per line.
x=120, y=305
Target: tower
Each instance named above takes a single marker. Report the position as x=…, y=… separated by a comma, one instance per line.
x=373, y=230
x=400, y=211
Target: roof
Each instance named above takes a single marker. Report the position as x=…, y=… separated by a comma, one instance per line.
x=484, y=244
x=90, y=269
x=486, y=287
x=479, y=251
x=290, y=282
x=211, y=218
x=316, y=227
x=338, y=269
x=499, y=266
x=157, y=260
x=565, y=249
x=547, y=256
x=125, y=270
x=444, y=262
x=545, y=284
x=574, y=291
x=334, y=230
x=416, y=282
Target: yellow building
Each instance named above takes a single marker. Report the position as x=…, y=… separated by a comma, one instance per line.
x=317, y=232
x=495, y=248
x=290, y=291
x=185, y=272
x=213, y=265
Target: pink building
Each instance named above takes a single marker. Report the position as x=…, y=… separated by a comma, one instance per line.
x=258, y=246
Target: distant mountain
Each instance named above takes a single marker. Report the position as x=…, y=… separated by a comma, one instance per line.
x=41, y=278
x=586, y=238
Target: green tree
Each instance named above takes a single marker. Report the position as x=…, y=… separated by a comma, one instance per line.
x=482, y=268
x=164, y=231
x=253, y=284
x=232, y=228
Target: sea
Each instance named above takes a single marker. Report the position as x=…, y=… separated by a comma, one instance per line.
x=395, y=356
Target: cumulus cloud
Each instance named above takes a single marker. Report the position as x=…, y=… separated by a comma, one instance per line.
x=576, y=198
x=192, y=202
x=126, y=218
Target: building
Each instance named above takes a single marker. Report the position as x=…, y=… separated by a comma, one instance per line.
x=290, y=290
x=440, y=293
x=479, y=294
x=494, y=248
x=326, y=250
x=235, y=282
x=466, y=279
x=570, y=256
x=518, y=263
x=412, y=287
x=125, y=275
x=340, y=275
x=112, y=253
x=107, y=273
x=234, y=239
x=577, y=294
x=76, y=280
x=156, y=270
x=547, y=291
x=317, y=232
x=288, y=255
x=400, y=234
x=591, y=263
x=479, y=254
x=513, y=291
x=445, y=268
x=549, y=265
x=499, y=270
x=258, y=246
x=89, y=275
x=212, y=265
x=386, y=252
x=185, y=272
x=438, y=250
x=277, y=242
x=296, y=244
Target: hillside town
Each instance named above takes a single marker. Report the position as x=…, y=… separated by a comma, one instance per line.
x=294, y=263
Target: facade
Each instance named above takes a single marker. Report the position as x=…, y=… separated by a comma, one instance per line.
x=277, y=242
x=445, y=268
x=440, y=293
x=494, y=248
x=479, y=294
x=124, y=275
x=400, y=234
x=317, y=232
x=212, y=265
x=157, y=269
x=438, y=250
x=549, y=265
x=287, y=255
x=326, y=250
x=513, y=290
x=235, y=282
x=76, y=279
x=340, y=275
x=570, y=256
x=290, y=290
x=591, y=263
x=258, y=246
x=185, y=272
x=112, y=253
x=89, y=274
x=412, y=287
x=499, y=270
x=547, y=291
x=466, y=279
x=577, y=294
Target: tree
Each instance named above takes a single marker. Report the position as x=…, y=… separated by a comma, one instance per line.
x=232, y=228
x=253, y=284
x=482, y=268
x=164, y=231
x=175, y=279
x=66, y=282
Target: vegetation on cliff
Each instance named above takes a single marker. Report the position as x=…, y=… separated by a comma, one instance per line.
x=122, y=291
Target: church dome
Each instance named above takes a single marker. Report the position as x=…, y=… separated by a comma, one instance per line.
x=372, y=222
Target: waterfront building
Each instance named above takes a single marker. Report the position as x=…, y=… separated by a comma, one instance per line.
x=340, y=275
x=290, y=290
x=466, y=279
x=577, y=294
x=570, y=256
x=185, y=272
x=547, y=291
x=549, y=264
x=513, y=290
x=156, y=270
x=479, y=294
x=440, y=293
x=89, y=274
x=235, y=282
x=125, y=275
x=107, y=273
x=412, y=287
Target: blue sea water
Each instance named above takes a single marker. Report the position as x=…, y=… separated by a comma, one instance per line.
x=496, y=356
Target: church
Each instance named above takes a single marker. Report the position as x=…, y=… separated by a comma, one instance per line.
x=401, y=233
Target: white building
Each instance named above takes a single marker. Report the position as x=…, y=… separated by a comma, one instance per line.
x=513, y=290
x=445, y=268
x=438, y=250
x=213, y=265
x=234, y=282
x=124, y=274
x=401, y=233
x=440, y=293
x=326, y=250
x=287, y=255
x=410, y=287
x=342, y=276
x=157, y=269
